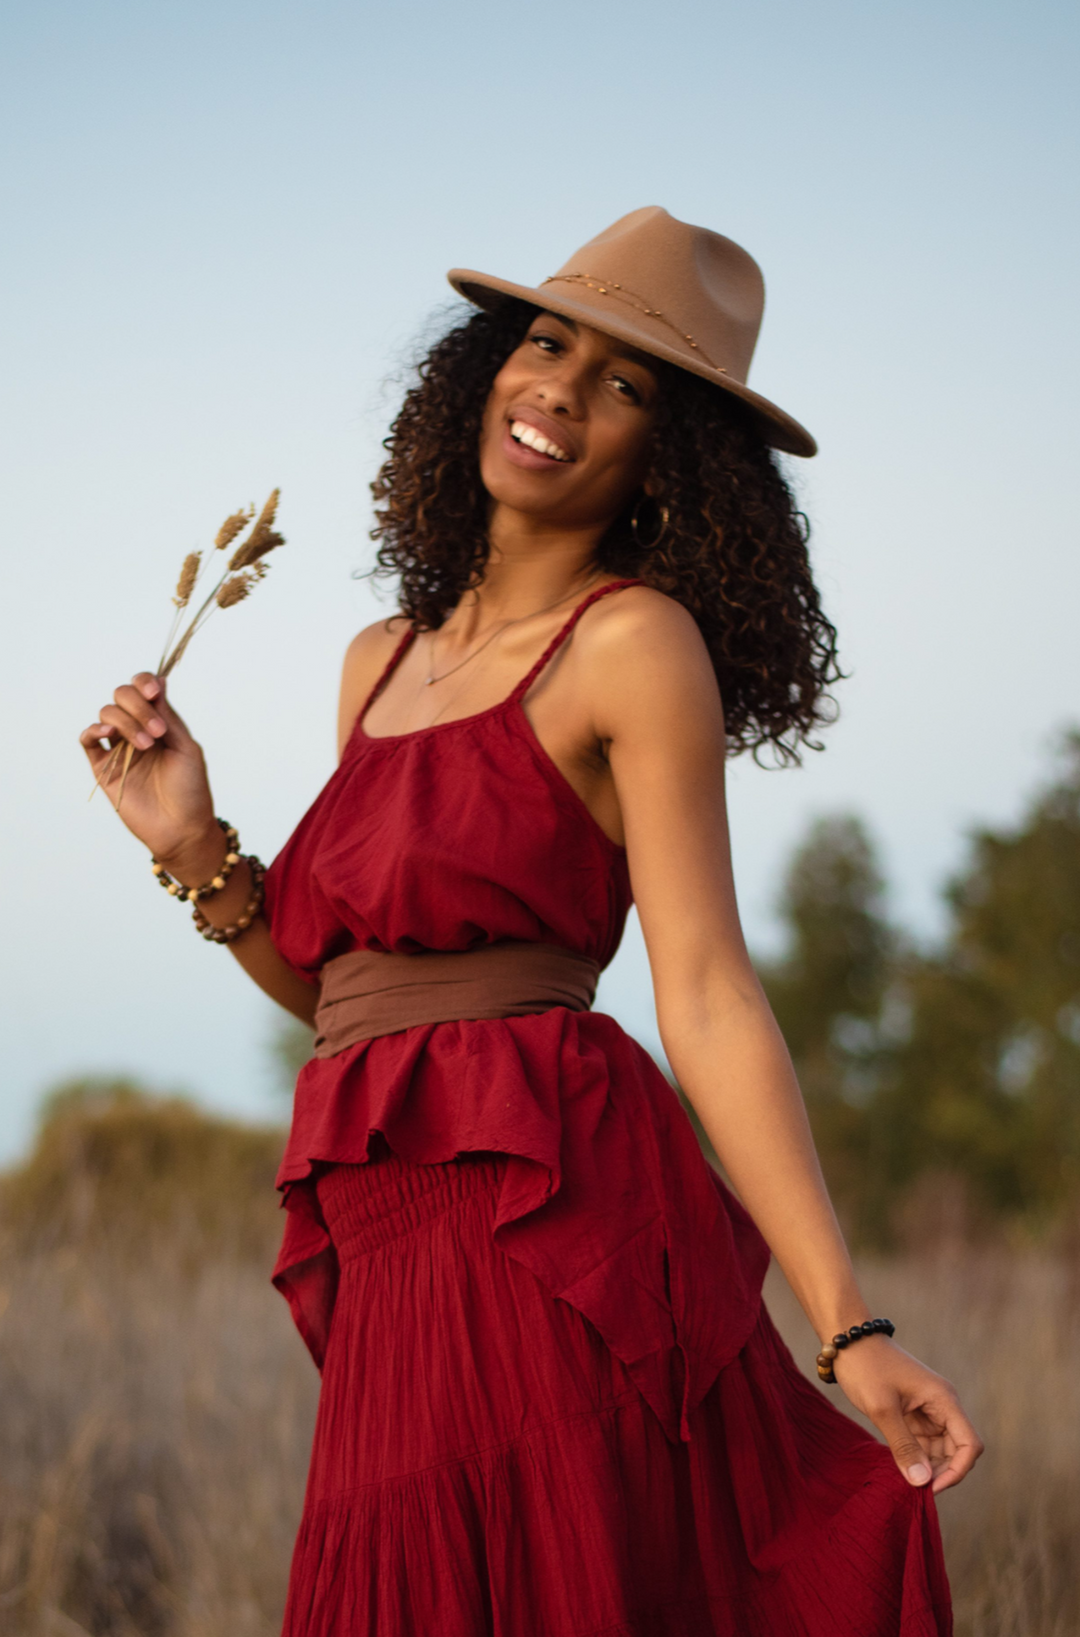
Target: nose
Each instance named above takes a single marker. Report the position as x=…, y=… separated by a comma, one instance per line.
x=562, y=391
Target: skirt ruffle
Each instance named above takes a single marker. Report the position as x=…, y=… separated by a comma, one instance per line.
x=605, y=1196
x=485, y=1466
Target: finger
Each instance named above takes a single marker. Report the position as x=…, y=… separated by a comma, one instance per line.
x=968, y=1446
x=147, y=714
x=150, y=686
x=153, y=689
x=908, y=1453
x=91, y=740
x=120, y=721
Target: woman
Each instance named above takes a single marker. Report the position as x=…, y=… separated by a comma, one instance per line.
x=552, y=1401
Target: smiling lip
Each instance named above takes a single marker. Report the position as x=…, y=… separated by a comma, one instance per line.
x=519, y=454
x=529, y=428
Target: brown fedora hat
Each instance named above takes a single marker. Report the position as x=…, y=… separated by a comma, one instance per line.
x=679, y=292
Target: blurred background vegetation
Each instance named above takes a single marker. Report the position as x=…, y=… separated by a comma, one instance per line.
x=943, y=1080
x=156, y=1406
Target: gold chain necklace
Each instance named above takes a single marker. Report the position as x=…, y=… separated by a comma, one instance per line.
x=518, y=620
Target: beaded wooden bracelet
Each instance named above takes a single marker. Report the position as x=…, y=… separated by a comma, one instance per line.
x=176, y=889
x=229, y=934
x=871, y=1327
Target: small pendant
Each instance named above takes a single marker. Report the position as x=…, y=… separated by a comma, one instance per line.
x=428, y=680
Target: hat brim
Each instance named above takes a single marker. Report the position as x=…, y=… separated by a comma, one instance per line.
x=780, y=430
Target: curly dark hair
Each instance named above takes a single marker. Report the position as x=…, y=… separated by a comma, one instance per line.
x=733, y=549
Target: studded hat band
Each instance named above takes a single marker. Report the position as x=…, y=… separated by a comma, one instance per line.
x=621, y=293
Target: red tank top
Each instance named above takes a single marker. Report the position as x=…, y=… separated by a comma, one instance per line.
x=455, y=835
x=466, y=833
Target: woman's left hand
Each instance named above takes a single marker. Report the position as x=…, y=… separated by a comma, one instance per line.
x=916, y=1411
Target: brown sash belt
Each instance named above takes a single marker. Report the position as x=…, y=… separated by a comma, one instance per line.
x=365, y=993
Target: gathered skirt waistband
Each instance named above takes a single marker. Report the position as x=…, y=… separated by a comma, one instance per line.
x=367, y=1207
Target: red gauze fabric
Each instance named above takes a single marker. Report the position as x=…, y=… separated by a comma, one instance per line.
x=598, y=1218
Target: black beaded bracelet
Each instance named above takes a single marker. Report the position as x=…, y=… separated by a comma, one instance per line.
x=176, y=889
x=870, y=1327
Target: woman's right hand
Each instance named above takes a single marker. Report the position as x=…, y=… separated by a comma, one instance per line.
x=167, y=801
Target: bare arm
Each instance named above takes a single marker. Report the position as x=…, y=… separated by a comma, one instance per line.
x=658, y=712
x=168, y=805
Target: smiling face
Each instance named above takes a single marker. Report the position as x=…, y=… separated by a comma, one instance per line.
x=566, y=428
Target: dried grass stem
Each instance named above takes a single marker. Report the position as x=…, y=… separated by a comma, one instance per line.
x=242, y=573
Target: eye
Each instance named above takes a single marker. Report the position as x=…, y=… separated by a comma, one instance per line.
x=626, y=388
x=547, y=343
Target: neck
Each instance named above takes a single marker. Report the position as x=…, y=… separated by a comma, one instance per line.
x=531, y=563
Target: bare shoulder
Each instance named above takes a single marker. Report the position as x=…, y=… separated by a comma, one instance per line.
x=374, y=643
x=642, y=628
x=635, y=616
x=366, y=658
x=642, y=662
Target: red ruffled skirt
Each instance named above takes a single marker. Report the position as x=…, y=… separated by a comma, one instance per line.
x=485, y=1467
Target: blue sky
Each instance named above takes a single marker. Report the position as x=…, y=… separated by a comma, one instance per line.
x=225, y=227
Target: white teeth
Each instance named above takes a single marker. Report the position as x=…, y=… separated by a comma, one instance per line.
x=522, y=432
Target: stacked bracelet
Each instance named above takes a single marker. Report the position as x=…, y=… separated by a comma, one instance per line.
x=185, y=894
x=871, y=1327
x=229, y=934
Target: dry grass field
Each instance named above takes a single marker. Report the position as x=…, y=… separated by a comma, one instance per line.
x=156, y=1406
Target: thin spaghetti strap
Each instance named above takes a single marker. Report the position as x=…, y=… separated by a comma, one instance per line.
x=560, y=637
x=387, y=672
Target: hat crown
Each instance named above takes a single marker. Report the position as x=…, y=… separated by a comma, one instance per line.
x=687, y=280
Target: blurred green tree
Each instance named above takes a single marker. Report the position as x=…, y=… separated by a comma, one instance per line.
x=833, y=994
x=987, y=1085
x=952, y=1069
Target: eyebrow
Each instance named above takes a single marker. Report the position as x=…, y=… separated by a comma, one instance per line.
x=623, y=350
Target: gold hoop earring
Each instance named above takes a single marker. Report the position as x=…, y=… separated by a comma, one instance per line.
x=651, y=545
